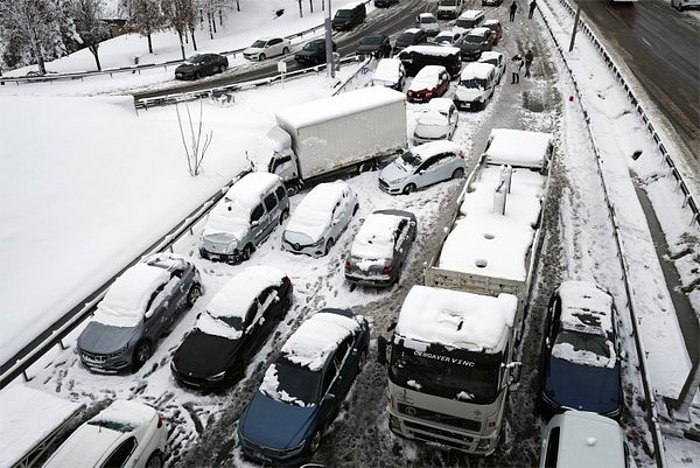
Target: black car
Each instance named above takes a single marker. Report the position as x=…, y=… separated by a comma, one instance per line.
x=378, y=46
x=580, y=361
x=200, y=65
x=313, y=52
x=234, y=326
x=409, y=37
x=348, y=17
x=385, y=3
x=475, y=42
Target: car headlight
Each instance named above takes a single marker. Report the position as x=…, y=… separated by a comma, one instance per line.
x=217, y=377
x=233, y=245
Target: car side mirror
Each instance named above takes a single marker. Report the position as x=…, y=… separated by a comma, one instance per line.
x=382, y=348
x=254, y=223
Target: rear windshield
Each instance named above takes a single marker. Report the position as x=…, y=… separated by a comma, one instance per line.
x=448, y=2
x=466, y=23
x=473, y=83
x=371, y=40
x=428, y=19
x=473, y=39
x=406, y=37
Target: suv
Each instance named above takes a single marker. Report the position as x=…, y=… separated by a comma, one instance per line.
x=200, y=65
x=245, y=217
x=469, y=19
x=313, y=52
x=349, y=16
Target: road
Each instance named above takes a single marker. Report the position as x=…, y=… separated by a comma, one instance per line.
x=661, y=47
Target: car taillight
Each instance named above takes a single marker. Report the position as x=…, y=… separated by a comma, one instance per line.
x=410, y=93
x=388, y=268
x=348, y=266
x=160, y=421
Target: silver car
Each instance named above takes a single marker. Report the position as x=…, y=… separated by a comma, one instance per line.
x=423, y=166
x=320, y=219
x=140, y=306
x=379, y=251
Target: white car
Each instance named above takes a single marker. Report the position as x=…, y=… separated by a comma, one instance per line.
x=320, y=219
x=497, y=60
x=428, y=23
x=437, y=122
x=449, y=38
x=127, y=433
x=476, y=86
x=267, y=47
x=390, y=73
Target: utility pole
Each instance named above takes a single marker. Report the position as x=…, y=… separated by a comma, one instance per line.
x=330, y=66
x=573, y=33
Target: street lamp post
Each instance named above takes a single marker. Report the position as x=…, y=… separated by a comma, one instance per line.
x=330, y=66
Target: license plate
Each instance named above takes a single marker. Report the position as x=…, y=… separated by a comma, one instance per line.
x=91, y=360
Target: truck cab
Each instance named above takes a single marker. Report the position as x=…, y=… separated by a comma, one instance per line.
x=283, y=163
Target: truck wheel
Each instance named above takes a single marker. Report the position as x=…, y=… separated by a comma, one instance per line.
x=458, y=174
x=354, y=210
x=409, y=189
x=292, y=190
x=364, y=167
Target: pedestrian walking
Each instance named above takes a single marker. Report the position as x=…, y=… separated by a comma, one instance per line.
x=513, y=9
x=529, y=56
x=517, y=65
x=533, y=5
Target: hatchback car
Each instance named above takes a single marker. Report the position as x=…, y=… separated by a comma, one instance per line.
x=320, y=219
x=411, y=36
x=468, y=20
x=390, y=73
x=303, y=390
x=380, y=249
x=313, y=52
x=140, y=306
x=423, y=166
x=266, y=48
x=437, y=122
x=234, y=326
x=244, y=218
x=496, y=30
x=497, y=60
x=580, y=366
x=126, y=433
x=377, y=46
x=448, y=38
x=200, y=65
x=428, y=22
x=431, y=81
x=475, y=42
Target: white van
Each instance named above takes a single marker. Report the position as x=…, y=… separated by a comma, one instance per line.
x=450, y=9
x=476, y=86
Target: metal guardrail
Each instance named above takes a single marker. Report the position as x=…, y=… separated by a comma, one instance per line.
x=351, y=78
x=19, y=363
x=659, y=453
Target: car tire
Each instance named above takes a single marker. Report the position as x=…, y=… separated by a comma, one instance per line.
x=142, y=353
x=315, y=441
x=329, y=246
x=261, y=57
x=284, y=216
x=155, y=460
x=409, y=189
x=194, y=294
x=354, y=210
x=285, y=51
x=458, y=173
x=197, y=75
x=248, y=252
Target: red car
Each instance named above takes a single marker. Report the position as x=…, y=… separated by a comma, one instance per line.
x=496, y=30
x=430, y=82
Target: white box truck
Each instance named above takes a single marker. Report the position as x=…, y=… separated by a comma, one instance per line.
x=351, y=130
x=448, y=382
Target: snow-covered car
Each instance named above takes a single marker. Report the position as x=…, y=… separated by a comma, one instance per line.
x=304, y=388
x=390, y=73
x=468, y=20
x=237, y=321
x=267, y=47
x=681, y=5
x=417, y=57
x=244, y=218
x=380, y=249
x=126, y=433
x=411, y=36
x=377, y=45
x=496, y=30
x=428, y=22
x=491, y=2
x=580, y=365
x=497, y=60
x=475, y=42
x=423, y=166
x=579, y=438
x=476, y=86
x=140, y=306
x=448, y=38
x=200, y=65
x=430, y=82
x=320, y=219
x=438, y=121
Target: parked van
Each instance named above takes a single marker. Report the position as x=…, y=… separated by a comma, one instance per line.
x=244, y=218
x=349, y=16
x=450, y=9
x=476, y=86
x=416, y=57
x=469, y=19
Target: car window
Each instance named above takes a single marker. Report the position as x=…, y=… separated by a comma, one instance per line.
x=400, y=229
x=270, y=202
x=341, y=352
x=550, y=459
x=267, y=296
x=250, y=315
x=281, y=193
x=428, y=163
x=257, y=213
x=275, y=42
x=120, y=456
x=328, y=377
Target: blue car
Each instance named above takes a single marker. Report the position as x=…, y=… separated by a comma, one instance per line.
x=303, y=389
x=580, y=366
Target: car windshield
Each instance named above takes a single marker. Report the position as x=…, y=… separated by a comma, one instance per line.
x=371, y=40
x=343, y=13
x=406, y=37
x=259, y=44
x=448, y=2
x=465, y=23
x=196, y=59
x=118, y=426
x=474, y=83
x=455, y=374
x=443, y=38
x=298, y=382
x=585, y=342
x=232, y=322
x=428, y=19
x=410, y=159
x=312, y=46
x=473, y=39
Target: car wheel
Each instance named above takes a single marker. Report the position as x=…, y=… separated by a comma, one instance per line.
x=248, y=252
x=155, y=460
x=362, y=360
x=410, y=188
x=197, y=75
x=194, y=294
x=142, y=353
x=315, y=441
x=329, y=246
x=354, y=210
x=284, y=216
x=458, y=173
x=285, y=51
x=261, y=57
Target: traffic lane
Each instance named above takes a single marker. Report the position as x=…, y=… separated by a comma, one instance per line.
x=660, y=47
x=386, y=21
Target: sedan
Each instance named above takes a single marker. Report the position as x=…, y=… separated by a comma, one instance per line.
x=320, y=219
x=380, y=249
x=431, y=81
x=580, y=365
x=200, y=65
x=234, y=326
x=475, y=42
x=313, y=52
x=411, y=36
x=437, y=122
x=266, y=48
x=376, y=46
x=304, y=388
x=423, y=166
x=497, y=60
x=140, y=306
x=126, y=433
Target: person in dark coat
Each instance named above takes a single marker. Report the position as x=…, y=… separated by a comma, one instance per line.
x=529, y=56
x=533, y=4
x=513, y=9
x=515, y=71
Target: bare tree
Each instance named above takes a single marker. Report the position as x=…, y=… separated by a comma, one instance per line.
x=87, y=17
x=180, y=15
x=196, y=148
x=145, y=17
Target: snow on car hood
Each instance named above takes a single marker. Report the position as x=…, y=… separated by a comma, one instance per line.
x=233, y=223
x=469, y=94
x=99, y=338
x=394, y=171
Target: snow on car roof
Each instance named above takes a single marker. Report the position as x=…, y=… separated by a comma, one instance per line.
x=435, y=50
x=440, y=104
x=432, y=148
x=471, y=14
x=315, y=210
x=236, y=296
x=387, y=70
x=476, y=70
x=478, y=31
x=375, y=239
x=518, y=148
x=316, y=338
x=490, y=244
x=427, y=77
x=350, y=5
x=127, y=412
x=585, y=307
x=591, y=437
x=490, y=22
x=489, y=55
x=411, y=31
x=249, y=188
x=352, y=102
x=454, y=318
x=426, y=15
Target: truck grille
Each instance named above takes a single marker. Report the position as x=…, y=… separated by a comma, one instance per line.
x=419, y=413
x=462, y=440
